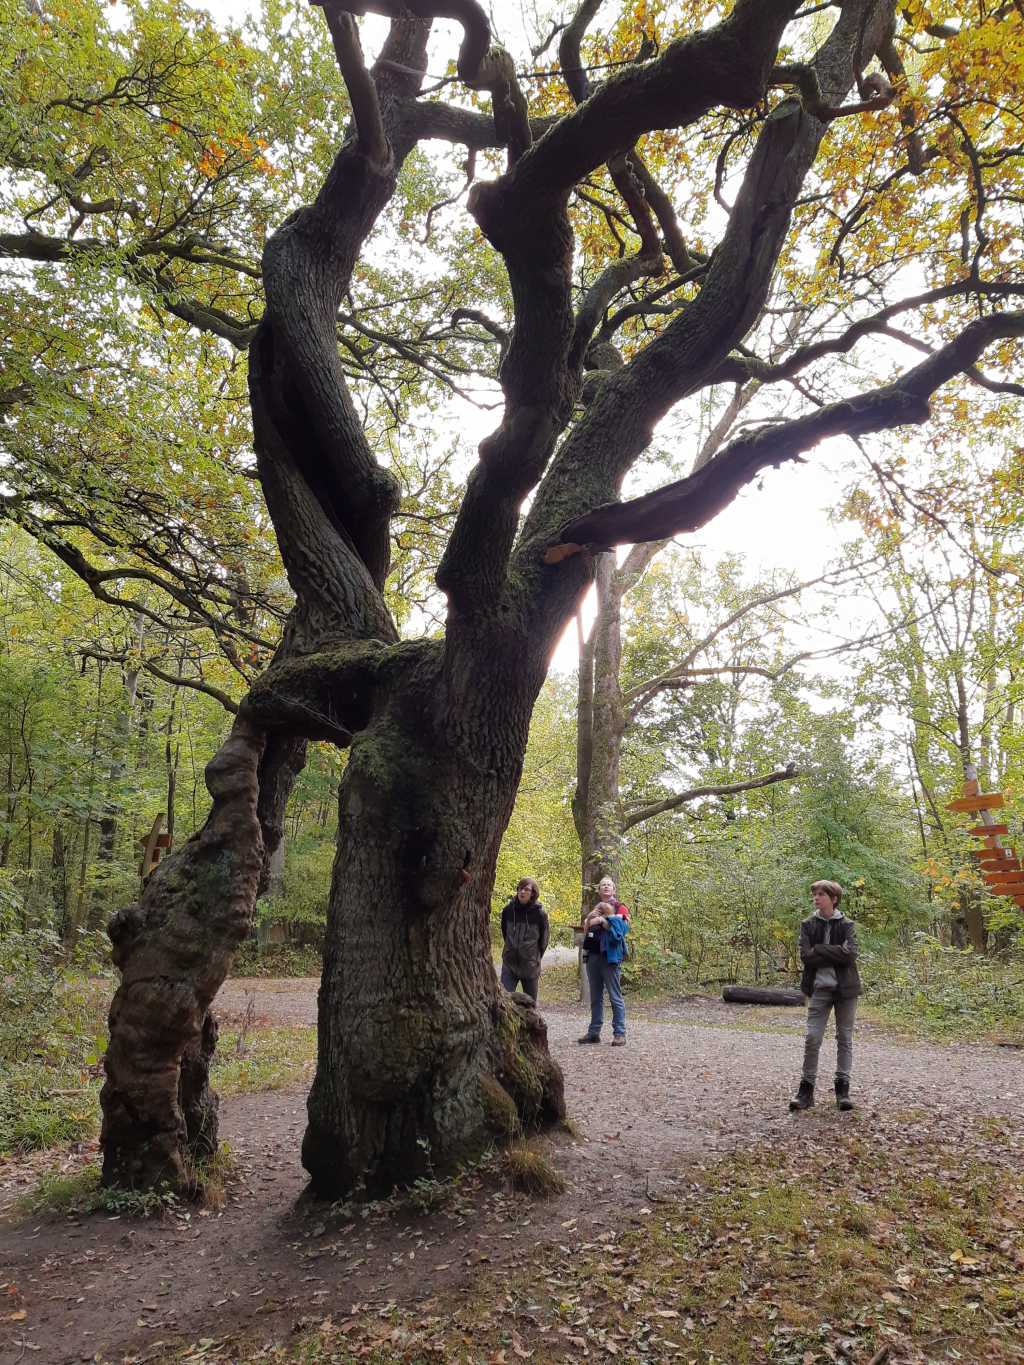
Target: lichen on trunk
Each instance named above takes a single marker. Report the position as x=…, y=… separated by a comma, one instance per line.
x=414, y=1031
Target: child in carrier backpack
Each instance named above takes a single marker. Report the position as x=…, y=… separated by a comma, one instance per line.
x=604, y=947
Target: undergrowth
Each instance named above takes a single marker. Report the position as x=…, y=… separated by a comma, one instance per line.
x=80, y=1192
x=259, y=1059
x=52, y=1036
x=942, y=992
x=50, y=1094
x=277, y=960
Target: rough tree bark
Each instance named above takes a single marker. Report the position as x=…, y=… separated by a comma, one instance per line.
x=421, y=1060
x=421, y=1056
x=173, y=950
x=601, y=725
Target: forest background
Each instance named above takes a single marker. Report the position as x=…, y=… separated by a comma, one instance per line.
x=141, y=592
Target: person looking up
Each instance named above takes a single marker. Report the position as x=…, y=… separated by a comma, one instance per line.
x=604, y=947
x=524, y=932
x=830, y=981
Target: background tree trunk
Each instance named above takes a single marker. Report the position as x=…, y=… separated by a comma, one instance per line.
x=596, y=803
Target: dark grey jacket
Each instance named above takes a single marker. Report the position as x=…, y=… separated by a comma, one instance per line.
x=525, y=931
x=830, y=943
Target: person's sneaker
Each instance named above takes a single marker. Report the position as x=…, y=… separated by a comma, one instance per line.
x=589, y=1038
x=619, y=1041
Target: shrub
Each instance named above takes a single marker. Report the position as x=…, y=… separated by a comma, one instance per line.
x=948, y=991
x=52, y=1035
x=655, y=970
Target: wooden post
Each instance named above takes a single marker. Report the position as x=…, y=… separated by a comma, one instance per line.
x=152, y=843
x=998, y=865
x=577, y=940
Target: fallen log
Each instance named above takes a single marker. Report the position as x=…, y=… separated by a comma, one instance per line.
x=761, y=995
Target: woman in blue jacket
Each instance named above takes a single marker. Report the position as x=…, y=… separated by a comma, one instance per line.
x=604, y=947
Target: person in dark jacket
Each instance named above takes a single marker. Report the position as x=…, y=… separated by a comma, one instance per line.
x=830, y=981
x=524, y=932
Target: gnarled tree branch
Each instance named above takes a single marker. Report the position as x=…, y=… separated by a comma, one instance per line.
x=692, y=502
x=653, y=808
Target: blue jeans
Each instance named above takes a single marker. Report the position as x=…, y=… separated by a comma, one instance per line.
x=511, y=982
x=601, y=974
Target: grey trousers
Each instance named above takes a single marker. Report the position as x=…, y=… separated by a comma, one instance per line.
x=511, y=982
x=817, y=1017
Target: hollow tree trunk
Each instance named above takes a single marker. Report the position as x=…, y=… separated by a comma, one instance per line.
x=423, y=1059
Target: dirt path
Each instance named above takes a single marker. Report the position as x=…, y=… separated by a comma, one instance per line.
x=695, y=1079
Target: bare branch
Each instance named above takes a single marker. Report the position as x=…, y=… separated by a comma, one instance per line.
x=737, y=368
x=641, y=813
x=692, y=502
x=38, y=246
x=96, y=579
x=638, y=697
x=197, y=684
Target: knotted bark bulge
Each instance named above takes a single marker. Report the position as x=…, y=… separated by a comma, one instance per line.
x=174, y=949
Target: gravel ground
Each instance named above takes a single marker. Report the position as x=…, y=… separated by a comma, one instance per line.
x=700, y=1075
x=697, y=1080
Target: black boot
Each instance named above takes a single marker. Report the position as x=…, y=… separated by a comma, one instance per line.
x=843, y=1100
x=804, y=1098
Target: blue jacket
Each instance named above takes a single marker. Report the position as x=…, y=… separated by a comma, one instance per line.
x=613, y=940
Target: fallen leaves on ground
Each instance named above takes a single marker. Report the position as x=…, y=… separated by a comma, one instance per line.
x=845, y=1242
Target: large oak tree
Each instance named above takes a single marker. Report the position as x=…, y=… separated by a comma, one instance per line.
x=859, y=197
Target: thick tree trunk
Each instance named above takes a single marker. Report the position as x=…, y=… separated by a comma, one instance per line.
x=174, y=949
x=423, y=1059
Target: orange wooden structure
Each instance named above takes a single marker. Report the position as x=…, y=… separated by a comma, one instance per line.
x=999, y=866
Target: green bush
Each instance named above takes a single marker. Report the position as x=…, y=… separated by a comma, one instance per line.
x=276, y=959
x=306, y=884
x=653, y=970
x=946, y=991
x=52, y=1035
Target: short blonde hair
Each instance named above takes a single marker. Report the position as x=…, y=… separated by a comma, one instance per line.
x=831, y=889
